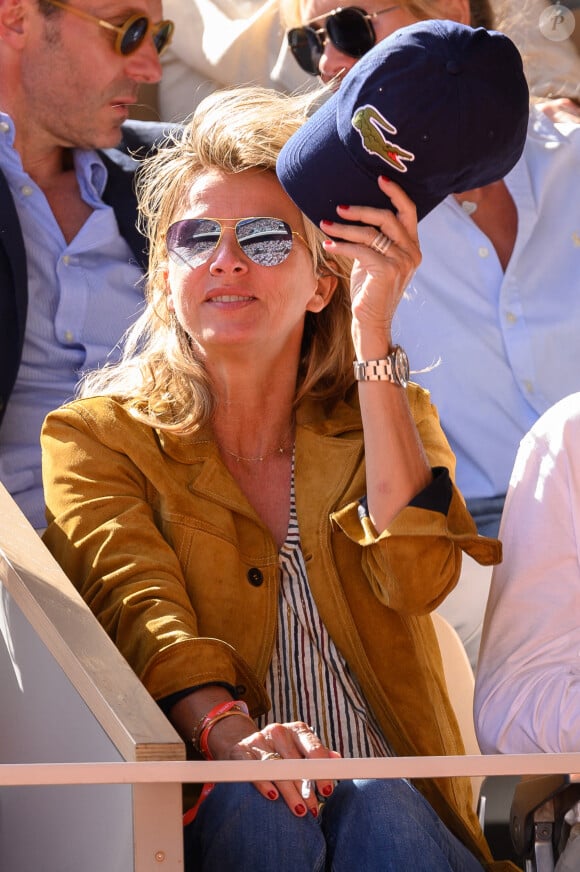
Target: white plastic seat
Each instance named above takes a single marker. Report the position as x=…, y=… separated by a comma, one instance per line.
x=460, y=686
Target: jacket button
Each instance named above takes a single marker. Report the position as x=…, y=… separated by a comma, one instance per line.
x=255, y=576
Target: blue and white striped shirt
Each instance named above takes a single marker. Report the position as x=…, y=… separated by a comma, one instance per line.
x=308, y=679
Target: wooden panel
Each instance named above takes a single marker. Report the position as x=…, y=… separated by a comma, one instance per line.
x=75, y=639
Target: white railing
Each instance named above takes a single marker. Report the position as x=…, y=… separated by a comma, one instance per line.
x=90, y=769
x=164, y=772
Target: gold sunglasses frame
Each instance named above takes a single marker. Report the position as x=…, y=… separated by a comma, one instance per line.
x=120, y=29
x=232, y=224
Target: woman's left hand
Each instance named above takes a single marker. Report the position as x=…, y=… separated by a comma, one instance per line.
x=385, y=254
x=287, y=741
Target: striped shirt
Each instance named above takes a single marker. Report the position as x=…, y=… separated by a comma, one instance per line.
x=308, y=679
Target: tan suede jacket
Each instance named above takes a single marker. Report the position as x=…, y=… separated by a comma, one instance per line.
x=183, y=575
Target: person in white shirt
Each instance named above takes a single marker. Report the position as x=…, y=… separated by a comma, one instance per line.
x=528, y=675
x=500, y=312
x=490, y=322
x=220, y=43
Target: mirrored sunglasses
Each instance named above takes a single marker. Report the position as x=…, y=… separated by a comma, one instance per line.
x=132, y=33
x=266, y=241
x=350, y=30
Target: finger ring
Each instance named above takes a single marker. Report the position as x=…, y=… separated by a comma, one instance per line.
x=381, y=243
x=273, y=755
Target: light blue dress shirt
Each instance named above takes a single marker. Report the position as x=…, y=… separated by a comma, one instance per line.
x=82, y=297
x=508, y=344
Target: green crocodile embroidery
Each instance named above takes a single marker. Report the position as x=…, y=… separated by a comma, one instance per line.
x=370, y=124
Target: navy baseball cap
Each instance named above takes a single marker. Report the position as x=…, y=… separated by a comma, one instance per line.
x=438, y=107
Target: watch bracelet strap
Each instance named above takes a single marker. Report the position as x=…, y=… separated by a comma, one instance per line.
x=374, y=370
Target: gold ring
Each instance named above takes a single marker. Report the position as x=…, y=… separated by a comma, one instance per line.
x=273, y=755
x=381, y=243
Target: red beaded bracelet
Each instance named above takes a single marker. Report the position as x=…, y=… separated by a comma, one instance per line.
x=233, y=706
x=204, y=736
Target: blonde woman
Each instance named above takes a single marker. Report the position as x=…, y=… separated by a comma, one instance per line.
x=262, y=535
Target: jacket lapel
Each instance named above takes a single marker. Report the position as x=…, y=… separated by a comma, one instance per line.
x=140, y=138
x=120, y=194
x=336, y=476
x=13, y=292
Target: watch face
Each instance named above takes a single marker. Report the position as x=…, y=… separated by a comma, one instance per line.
x=402, y=366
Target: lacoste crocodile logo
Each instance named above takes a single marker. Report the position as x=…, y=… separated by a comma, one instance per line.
x=371, y=127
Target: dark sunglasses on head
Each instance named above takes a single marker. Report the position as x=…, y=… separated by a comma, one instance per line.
x=132, y=33
x=266, y=241
x=350, y=30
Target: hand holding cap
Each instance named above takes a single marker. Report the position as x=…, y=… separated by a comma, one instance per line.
x=438, y=107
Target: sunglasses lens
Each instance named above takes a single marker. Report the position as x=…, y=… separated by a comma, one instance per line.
x=307, y=48
x=134, y=33
x=162, y=35
x=266, y=241
x=191, y=241
x=351, y=32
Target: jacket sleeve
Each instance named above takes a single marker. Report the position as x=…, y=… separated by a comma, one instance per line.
x=416, y=561
x=102, y=530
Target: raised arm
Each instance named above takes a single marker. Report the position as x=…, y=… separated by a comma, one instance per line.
x=397, y=467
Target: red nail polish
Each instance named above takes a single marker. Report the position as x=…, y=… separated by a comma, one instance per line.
x=326, y=221
x=272, y=794
x=300, y=809
x=314, y=812
x=327, y=790
x=342, y=206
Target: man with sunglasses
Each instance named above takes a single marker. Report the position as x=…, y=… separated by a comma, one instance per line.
x=71, y=258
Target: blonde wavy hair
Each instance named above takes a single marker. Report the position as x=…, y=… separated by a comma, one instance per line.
x=159, y=376
x=480, y=10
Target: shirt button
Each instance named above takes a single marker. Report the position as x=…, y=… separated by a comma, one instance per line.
x=69, y=336
x=255, y=576
x=26, y=190
x=66, y=259
x=4, y=127
x=528, y=385
x=483, y=251
x=511, y=318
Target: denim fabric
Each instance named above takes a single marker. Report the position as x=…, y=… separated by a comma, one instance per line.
x=371, y=826
x=486, y=512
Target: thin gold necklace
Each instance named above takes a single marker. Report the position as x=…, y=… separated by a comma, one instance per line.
x=238, y=457
x=281, y=449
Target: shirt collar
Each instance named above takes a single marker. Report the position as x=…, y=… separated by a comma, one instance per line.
x=7, y=132
x=90, y=169
x=92, y=175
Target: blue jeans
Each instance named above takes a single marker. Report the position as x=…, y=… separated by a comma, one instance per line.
x=486, y=512
x=372, y=825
